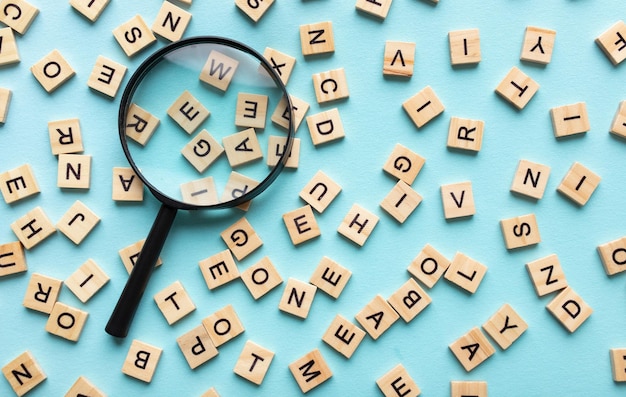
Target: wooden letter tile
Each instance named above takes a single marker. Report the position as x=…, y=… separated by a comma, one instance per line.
x=618, y=127
x=218, y=71
x=223, y=325
x=219, y=269
x=473, y=388
x=200, y=191
x=197, y=347
x=140, y=124
x=188, y=112
x=613, y=256
x=398, y=382
x=538, y=45
x=141, y=361
x=5, y=101
x=547, y=275
x=613, y=42
x=330, y=86
x=570, y=119
x=505, y=326
x=253, y=362
x=66, y=322
x=88, y=279
x=18, y=183
x=320, y=191
x=377, y=8
x=134, y=35
x=297, y=298
x=399, y=58
x=261, y=278
x=202, y=150
x=236, y=186
x=401, y=201
x=317, y=38
x=579, y=184
x=409, y=300
x=330, y=277
x=254, y=9
x=325, y=127
x=301, y=225
x=358, y=225
x=12, y=259
x=23, y=373
x=282, y=115
x=276, y=149
x=618, y=364
x=17, y=14
x=130, y=254
x=78, y=222
x=211, y=392
x=530, y=179
x=423, y=107
x=42, y=293
x=83, y=387
x=465, y=134
x=517, y=88
x=65, y=136
x=9, y=52
x=472, y=349
x=126, y=185
x=241, y=238
x=570, y=309
x=465, y=272
x=464, y=47
x=343, y=336
x=310, y=370
x=404, y=164
x=33, y=228
x=377, y=316
x=171, y=22
x=282, y=63
x=520, y=231
x=428, y=266
x=52, y=71
x=91, y=9
x=458, y=200
x=106, y=76
x=174, y=302
x=74, y=171
x=251, y=111
x=242, y=147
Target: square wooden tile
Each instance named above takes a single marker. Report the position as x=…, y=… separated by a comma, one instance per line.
x=517, y=88
x=613, y=42
x=458, y=200
x=464, y=47
x=358, y=224
x=276, y=146
x=282, y=64
x=377, y=8
x=78, y=222
x=202, y=150
x=404, y=164
x=283, y=114
x=106, y=76
x=465, y=272
x=301, y=225
x=140, y=124
x=398, y=382
x=33, y=228
x=91, y=9
x=52, y=71
x=134, y=35
x=196, y=346
x=241, y=238
x=343, y=336
x=465, y=134
x=579, y=183
x=331, y=85
x=570, y=309
x=126, y=185
x=520, y=231
x=409, y=300
x=174, y=302
x=130, y=254
x=428, y=266
x=23, y=373
x=546, y=274
x=74, y=171
x=210, y=393
x=570, y=120
x=310, y=370
x=254, y=362
x=261, y=278
x=65, y=136
x=505, y=326
x=618, y=126
x=66, y=322
x=171, y=22
x=242, y=147
x=401, y=201
x=18, y=14
x=330, y=277
x=613, y=256
x=188, y=112
x=219, y=269
x=42, y=293
x=18, y=183
x=325, y=127
x=141, y=361
x=88, y=279
x=317, y=38
x=83, y=387
x=465, y=388
x=297, y=298
x=538, y=45
x=530, y=179
x=5, y=101
x=320, y=191
x=423, y=107
x=218, y=70
x=251, y=110
x=618, y=364
x=254, y=10
x=472, y=349
x=12, y=259
x=9, y=53
x=399, y=58
x=200, y=191
x=236, y=186
x=377, y=317
x=223, y=325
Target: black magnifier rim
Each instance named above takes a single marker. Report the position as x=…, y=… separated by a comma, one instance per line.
x=136, y=79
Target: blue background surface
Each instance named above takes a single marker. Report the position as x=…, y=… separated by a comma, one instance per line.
x=546, y=360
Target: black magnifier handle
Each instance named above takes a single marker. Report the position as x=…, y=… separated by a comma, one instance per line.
x=122, y=316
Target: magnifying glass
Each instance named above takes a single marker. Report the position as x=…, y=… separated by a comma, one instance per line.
x=193, y=125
